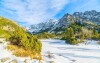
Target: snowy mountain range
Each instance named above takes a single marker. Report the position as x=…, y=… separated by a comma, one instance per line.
x=91, y=17
x=43, y=26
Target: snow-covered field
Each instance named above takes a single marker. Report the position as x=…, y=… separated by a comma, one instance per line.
x=64, y=53
x=56, y=51
x=7, y=54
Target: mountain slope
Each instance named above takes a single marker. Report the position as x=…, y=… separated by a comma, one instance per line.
x=92, y=16
x=88, y=18
x=43, y=27
x=7, y=27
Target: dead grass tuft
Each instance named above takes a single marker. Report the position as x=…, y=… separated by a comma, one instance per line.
x=21, y=52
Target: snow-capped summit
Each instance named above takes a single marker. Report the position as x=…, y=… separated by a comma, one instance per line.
x=42, y=27
x=54, y=25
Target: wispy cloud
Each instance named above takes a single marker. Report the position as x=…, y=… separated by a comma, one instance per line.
x=33, y=11
x=79, y=6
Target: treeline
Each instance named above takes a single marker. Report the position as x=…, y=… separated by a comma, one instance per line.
x=76, y=31
x=45, y=35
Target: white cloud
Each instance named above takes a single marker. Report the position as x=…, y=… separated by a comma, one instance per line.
x=35, y=11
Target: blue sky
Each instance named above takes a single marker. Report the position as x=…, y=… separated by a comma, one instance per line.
x=27, y=12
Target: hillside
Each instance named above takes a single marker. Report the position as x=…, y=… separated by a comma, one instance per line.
x=92, y=16
x=7, y=27
x=21, y=43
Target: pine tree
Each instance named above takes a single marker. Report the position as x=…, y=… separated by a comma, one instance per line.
x=70, y=38
x=95, y=35
x=22, y=39
x=81, y=37
x=71, y=32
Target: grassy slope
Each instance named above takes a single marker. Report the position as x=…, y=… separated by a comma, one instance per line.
x=6, y=22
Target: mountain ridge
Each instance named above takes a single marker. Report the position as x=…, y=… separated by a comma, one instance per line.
x=91, y=18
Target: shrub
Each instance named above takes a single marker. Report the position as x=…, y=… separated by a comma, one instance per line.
x=22, y=52
x=82, y=38
x=95, y=35
x=22, y=39
x=70, y=38
x=45, y=35
x=99, y=42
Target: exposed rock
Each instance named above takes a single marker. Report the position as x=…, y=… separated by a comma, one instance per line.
x=88, y=18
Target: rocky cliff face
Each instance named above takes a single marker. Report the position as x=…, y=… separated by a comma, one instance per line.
x=92, y=16
x=42, y=27
x=88, y=17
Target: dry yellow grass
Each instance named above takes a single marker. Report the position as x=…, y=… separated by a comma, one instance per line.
x=21, y=52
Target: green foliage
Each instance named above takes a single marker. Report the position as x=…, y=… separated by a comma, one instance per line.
x=99, y=42
x=63, y=36
x=71, y=32
x=82, y=37
x=21, y=38
x=7, y=27
x=45, y=35
x=95, y=35
x=4, y=22
x=76, y=28
x=78, y=31
x=17, y=36
x=70, y=38
x=4, y=34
